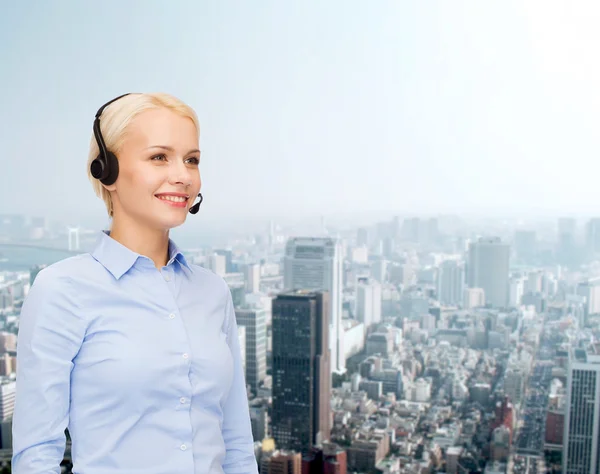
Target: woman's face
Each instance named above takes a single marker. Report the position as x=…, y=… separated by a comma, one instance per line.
x=159, y=176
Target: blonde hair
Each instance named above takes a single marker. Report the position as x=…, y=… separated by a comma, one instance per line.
x=114, y=122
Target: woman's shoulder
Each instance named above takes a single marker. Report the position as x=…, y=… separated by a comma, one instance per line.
x=68, y=268
x=208, y=279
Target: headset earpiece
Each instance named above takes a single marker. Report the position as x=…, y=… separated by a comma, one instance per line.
x=106, y=171
x=106, y=166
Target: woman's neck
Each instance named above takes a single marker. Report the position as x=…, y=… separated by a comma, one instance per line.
x=151, y=243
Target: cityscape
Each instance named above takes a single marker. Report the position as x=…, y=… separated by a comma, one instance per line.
x=401, y=197
x=406, y=345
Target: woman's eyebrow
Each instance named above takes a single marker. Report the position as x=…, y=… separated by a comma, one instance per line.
x=169, y=148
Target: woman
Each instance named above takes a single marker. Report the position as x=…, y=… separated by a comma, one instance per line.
x=132, y=347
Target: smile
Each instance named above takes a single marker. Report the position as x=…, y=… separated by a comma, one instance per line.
x=173, y=200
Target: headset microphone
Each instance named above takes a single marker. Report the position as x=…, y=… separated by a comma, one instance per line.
x=196, y=207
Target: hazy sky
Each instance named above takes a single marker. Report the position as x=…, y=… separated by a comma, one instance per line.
x=313, y=106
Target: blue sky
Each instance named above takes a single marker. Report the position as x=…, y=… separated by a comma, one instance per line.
x=316, y=107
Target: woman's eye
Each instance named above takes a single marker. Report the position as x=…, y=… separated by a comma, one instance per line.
x=194, y=160
x=159, y=157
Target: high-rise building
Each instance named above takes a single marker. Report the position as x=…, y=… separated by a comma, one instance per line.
x=252, y=277
x=217, y=264
x=590, y=290
x=488, y=268
x=315, y=263
x=451, y=282
x=368, y=302
x=301, y=373
x=7, y=398
x=255, y=322
x=582, y=423
x=228, y=254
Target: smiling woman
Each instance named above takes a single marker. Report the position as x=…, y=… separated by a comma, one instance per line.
x=131, y=347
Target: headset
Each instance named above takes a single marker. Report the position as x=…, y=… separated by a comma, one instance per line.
x=105, y=166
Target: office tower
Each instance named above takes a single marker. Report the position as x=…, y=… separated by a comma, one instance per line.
x=255, y=322
x=301, y=372
x=217, y=264
x=581, y=439
x=516, y=291
x=228, y=254
x=368, y=302
x=315, y=263
x=451, y=282
x=7, y=398
x=488, y=269
x=590, y=290
x=252, y=277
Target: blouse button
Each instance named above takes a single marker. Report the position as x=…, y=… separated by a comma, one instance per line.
x=183, y=447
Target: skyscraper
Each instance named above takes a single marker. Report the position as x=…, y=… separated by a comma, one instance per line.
x=488, y=269
x=451, y=282
x=582, y=424
x=301, y=372
x=315, y=263
x=252, y=277
x=255, y=322
x=368, y=302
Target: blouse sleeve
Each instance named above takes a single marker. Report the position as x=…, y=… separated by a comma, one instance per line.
x=51, y=331
x=237, y=429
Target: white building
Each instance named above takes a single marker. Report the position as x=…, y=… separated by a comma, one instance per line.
x=368, y=302
x=252, y=278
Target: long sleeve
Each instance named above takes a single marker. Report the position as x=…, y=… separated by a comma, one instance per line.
x=51, y=331
x=237, y=429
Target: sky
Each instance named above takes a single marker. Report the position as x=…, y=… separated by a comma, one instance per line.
x=316, y=107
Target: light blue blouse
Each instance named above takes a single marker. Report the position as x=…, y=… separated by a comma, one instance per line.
x=142, y=365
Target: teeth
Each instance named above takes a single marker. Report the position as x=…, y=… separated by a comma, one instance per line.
x=172, y=198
